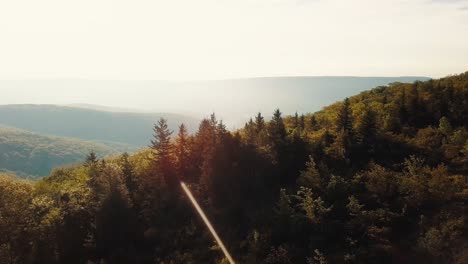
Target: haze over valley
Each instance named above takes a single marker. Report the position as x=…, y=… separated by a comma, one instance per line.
x=233, y=100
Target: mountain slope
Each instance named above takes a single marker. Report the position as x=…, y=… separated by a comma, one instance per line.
x=127, y=128
x=31, y=155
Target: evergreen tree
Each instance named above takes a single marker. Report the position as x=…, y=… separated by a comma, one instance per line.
x=205, y=146
x=161, y=143
x=302, y=122
x=250, y=131
x=313, y=123
x=128, y=174
x=162, y=147
x=221, y=131
x=182, y=152
x=259, y=122
x=277, y=129
x=310, y=177
x=445, y=127
x=367, y=128
x=344, y=121
x=296, y=121
x=91, y=158
x=403, y=113
x=92, y=164
x=413, y=107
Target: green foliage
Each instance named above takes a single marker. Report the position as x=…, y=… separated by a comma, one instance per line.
x=445, y=127
x=344, y=119
x=311, y=177
x=378, y=178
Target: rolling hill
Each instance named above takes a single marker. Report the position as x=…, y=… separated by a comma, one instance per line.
x=31, y=155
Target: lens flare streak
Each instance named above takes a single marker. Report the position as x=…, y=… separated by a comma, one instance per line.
x=207, y=222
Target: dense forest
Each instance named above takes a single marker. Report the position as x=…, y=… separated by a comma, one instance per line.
x=380, y=177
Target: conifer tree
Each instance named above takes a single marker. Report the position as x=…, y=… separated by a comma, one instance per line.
x=162, y=147
x=277, y=129
x=128, y=174
x=92, y=163
x=296, y=122
x=205, y=144
x=259, y=122
x=313, y=123
x=367, y=127
x=344, y=121
x=412, y=106
x=91, y=158
x=445, y=127
x=310, y=177
x=161, y=142
x=250, y=131
x=302, y=122
x=402, y=107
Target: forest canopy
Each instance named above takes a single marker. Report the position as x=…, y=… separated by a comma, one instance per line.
x=380, y=177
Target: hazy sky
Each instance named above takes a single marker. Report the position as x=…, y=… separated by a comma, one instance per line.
x=213, y=39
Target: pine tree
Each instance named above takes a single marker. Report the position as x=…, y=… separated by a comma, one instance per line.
x=283, y=207
x=162, y=147
x=313, y=123
x=277, y=129
x=250, y=131
x=403, y=113
x=259, y=122
x=221, y=131
x=296, y=121
x=91, y=159
x=344, y=121
x=213, y=120
x=128, y=173
x=205, y=145
x=182, y=152
x=310, y=177
x=302, y=122
x=92, y=164
x=445, y=127
x=161, y=143
x=412, y=106
x=367, y=127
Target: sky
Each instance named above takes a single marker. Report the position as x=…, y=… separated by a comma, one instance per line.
x=219, y=39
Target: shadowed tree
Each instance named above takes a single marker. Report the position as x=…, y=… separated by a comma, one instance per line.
x=163, y=150
x=367, y=128
x=344, y=120
x=182, y=152
x=259, y=122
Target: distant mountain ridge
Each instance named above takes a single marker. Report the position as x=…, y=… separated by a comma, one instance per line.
x=127, y=128
x=233, y=100
x=106, y=108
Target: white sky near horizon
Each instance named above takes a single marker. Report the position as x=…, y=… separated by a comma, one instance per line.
x=217, y=39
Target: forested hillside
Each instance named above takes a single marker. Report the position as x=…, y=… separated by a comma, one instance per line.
x=31, y=155
x=380, y=177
